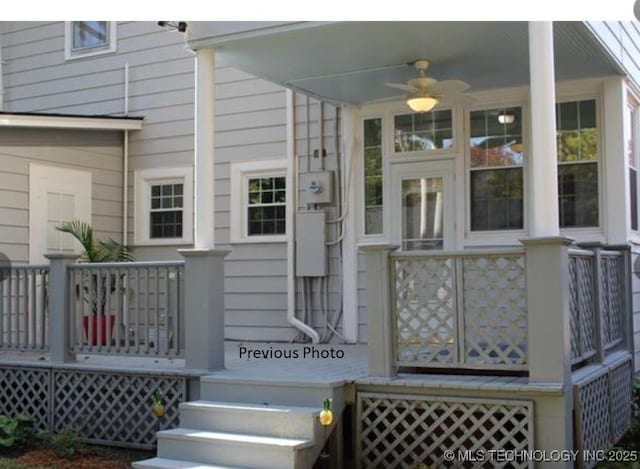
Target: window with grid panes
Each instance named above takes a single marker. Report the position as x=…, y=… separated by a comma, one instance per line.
x=496, y=178
x=577, y=139
x=266, y=206
x=166, y=211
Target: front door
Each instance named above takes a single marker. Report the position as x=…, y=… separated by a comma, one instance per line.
x=423, y=215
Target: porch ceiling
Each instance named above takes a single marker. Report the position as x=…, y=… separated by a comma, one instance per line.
x=349, y=62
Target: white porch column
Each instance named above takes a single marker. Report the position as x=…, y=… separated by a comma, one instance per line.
x=351, y=131
x=204, y=150
x=204, y=265
x=542, y=157
x=616, y=216
x=547, y=269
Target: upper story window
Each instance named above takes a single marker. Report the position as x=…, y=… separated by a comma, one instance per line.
x=86, y=38
x=423, y=131
x=496, y=177
x=577, y=138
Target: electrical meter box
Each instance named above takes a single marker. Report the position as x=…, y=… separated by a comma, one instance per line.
x=316, y=187
x=311, y=244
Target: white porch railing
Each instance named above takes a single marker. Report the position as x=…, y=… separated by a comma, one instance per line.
x=23, y=308
x=460, y=309
x=596, y=302
x=133, y=308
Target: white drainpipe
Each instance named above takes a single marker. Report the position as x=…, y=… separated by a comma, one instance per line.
x=292, y=171
x=125, y=169
x=1, y=78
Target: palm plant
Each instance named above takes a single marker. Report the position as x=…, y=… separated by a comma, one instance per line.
x=96, y=250
x=95, y=291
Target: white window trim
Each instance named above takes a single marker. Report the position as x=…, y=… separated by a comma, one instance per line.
x=240, y=175
x=143, y=180
x=69, y=54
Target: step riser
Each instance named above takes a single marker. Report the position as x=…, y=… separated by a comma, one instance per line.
x=215, y=452
x=276, y=424
x=291, y=395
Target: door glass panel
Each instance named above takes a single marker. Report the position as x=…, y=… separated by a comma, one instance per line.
x=60, y=209
x=422, y=217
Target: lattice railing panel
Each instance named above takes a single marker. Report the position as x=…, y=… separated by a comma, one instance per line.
x=611, y=286
x=400, y=431
x=621, y=395
x=114, y=407
x=602, y=406
x=594, y=413
x=495, y=310
x=426, y=310
x=582, y=307
x=26, y=391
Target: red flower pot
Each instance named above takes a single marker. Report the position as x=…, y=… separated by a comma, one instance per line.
x=99, y=321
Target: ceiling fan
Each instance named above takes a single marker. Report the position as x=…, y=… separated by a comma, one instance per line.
x=425, y=92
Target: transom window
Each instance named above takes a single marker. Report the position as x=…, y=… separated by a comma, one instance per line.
x=496, y=160
x=577, y=138
x=266, y=207
x=166, y=211
x=423, y=131
x=84, y=38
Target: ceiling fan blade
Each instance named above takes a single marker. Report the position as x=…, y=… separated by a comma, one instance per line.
x=387, y=99
x=449, y=86
x=457, y=98
x=402, y=86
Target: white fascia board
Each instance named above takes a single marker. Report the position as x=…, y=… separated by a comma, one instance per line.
x=64, y=122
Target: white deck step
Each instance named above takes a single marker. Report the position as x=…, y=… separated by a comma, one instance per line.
x=255, y=419
x=229, y=388
x=232, y=449
x=164, y=463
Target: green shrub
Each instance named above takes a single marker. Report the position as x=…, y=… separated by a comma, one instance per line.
x=14, y=431
x=66, y=443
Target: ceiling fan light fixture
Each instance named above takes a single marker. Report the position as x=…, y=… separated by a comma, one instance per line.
x=506, y=118
x=422, y=102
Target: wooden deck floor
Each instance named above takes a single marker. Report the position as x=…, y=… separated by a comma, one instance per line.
x=261, y=360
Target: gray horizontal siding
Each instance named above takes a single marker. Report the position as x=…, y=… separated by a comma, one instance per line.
x=97, y=152
x=250, y=125
x=622, y=40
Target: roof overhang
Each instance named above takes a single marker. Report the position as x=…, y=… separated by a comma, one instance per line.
x=64, y=121
x=350, y=62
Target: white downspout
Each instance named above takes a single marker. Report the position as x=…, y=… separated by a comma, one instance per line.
x=292, y=171
x=1, y=78
x=125, y=189
x=125, y=169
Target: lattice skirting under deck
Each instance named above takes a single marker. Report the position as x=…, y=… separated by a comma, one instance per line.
x=111, y=407
x=408, y=431
x=602, y=405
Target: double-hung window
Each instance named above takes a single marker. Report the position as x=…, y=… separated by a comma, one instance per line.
x=163, y=206
x=86, y=38
x=167, y=209
x=259, y=198
x=266, y=205
x=496, y=176
x=577, y=138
